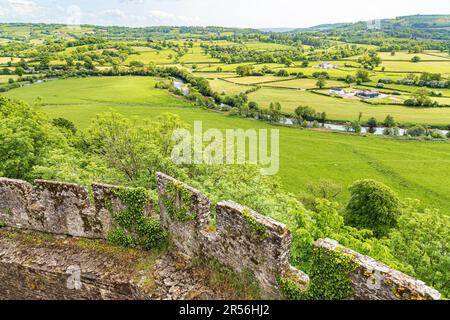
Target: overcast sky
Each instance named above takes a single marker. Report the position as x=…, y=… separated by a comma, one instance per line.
x=233, y=13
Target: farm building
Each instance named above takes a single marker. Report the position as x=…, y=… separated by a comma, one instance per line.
x=368, y=94
x=326, y=65
x=338, y=91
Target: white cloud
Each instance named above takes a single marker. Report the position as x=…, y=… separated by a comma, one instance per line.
x=24, y=7
x=167, y=17
x=117, y=13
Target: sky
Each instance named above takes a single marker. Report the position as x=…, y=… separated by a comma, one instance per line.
x=229, y=13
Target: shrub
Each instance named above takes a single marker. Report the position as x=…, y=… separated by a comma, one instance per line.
x=372, y=206
x=65, y=124
x=416, y=131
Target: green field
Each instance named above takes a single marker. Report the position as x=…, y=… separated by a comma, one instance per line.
x=306, y=84
x=98, y=91
x=256, y=80
x=347, y=109
x=442, y=67
x=221, y=86
x=5, y=78
x=158, y=57
x=414, y=169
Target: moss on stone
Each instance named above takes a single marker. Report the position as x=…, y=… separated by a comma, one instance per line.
x=259, y=230
x=178, y=202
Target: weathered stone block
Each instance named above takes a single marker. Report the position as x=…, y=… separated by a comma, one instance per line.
x=373, y=280
x=195, y=216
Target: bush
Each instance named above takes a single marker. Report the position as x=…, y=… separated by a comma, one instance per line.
x=65, y=124
x=282, y=73
x=436, y=134
x=421, y=240
x=372, y=206
x=416, y=131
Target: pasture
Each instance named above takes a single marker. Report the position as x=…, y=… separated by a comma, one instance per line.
x=157, y=57
x=414, y=169
x=347, y=109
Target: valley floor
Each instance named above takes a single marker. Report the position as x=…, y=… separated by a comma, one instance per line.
x=415, y=169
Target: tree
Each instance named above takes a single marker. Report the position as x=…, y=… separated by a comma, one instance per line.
x=373, y=124
x=421, y=240
x=416, y=131
x=275, y=112
x=356, y=127
x=65, y=124
x=245, y=70
x=20, y=71
x=362, y=76
x=415, y=59
x=325, y=189
x=282, y=73
x=372, y=206
x=370, y=60
x=422, y=97
x=305, y=113
x=136, y=64
x=389, y=122
x=24, y=138
x=137, y=152
x=321, y=83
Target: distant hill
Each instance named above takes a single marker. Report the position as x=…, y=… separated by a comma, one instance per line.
x=276, y=29
x=416, y=26
x=413, y=22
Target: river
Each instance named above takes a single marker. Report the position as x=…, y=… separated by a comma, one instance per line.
x=181, y=85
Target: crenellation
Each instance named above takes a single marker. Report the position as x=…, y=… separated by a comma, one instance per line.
x=242, y=239
x=373, y=280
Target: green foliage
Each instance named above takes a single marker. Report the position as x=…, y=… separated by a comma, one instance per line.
x=290, y=290
x=373, y=206
x=389, y=122
x=24, y=138
x=231, y=284
x=416, y=131
x=136, y=151
x=178, y=202
x=329, y=278
x=329, y=275
x=134, y=228
x=256, y=228
x=65, y=124
x=422, y=240
x=325, y=221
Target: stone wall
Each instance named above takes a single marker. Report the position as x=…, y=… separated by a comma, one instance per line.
x=241, y=239
x=58, y=208
x=373, y=280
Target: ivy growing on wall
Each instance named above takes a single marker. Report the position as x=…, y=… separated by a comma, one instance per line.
x=330, y=275
x=134, y=228
x=329, y=278
x=257, y=229
x=178, y=202
x=290, y=290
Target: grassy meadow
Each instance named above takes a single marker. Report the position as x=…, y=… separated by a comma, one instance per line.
x=414, y=169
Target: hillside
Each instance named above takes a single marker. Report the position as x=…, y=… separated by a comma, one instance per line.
x=416, y=26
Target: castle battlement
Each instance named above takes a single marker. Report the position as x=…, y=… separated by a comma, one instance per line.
x=240, y=239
